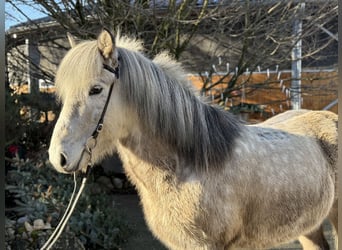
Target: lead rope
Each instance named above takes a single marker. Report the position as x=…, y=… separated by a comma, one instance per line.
x=46, y=245
x=89, y=146
x=71, y=206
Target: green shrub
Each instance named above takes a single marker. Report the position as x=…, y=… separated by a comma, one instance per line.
x=36, y=191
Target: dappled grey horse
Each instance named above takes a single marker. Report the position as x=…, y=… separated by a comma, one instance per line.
x=205, y=180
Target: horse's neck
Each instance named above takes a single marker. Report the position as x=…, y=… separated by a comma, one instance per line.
x=147, y=163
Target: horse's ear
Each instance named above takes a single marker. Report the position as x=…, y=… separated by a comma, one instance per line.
x=71, y=40
x=106, y=43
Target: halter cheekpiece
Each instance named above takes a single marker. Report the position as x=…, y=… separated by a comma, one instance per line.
x=91, y=142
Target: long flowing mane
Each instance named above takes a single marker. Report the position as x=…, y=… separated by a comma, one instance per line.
x=168, y=109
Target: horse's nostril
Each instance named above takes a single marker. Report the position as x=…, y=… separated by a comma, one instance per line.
x=63, y=160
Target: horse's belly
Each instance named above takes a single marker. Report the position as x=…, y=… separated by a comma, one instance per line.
x=280, y=217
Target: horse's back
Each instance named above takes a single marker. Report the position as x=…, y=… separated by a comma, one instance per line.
x=320, y=125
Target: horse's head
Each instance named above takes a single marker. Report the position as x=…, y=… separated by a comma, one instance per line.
x=83, y=85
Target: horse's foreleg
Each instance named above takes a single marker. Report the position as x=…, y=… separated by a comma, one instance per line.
x=314, y=241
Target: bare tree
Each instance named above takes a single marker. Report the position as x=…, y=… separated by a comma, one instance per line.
x=162, y=26
x=246, y=34
x=253, y=36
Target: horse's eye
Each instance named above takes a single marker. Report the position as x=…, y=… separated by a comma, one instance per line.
x=95, y=90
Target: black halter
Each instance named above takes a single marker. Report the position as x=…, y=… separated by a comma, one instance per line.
x=99, y=125
x=92, y=140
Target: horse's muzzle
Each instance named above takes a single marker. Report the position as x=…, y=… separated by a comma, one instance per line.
x=63, y=165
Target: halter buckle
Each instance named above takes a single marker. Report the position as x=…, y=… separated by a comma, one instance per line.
x=99, y=127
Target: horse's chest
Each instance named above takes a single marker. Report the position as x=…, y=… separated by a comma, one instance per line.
x=174, y=220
